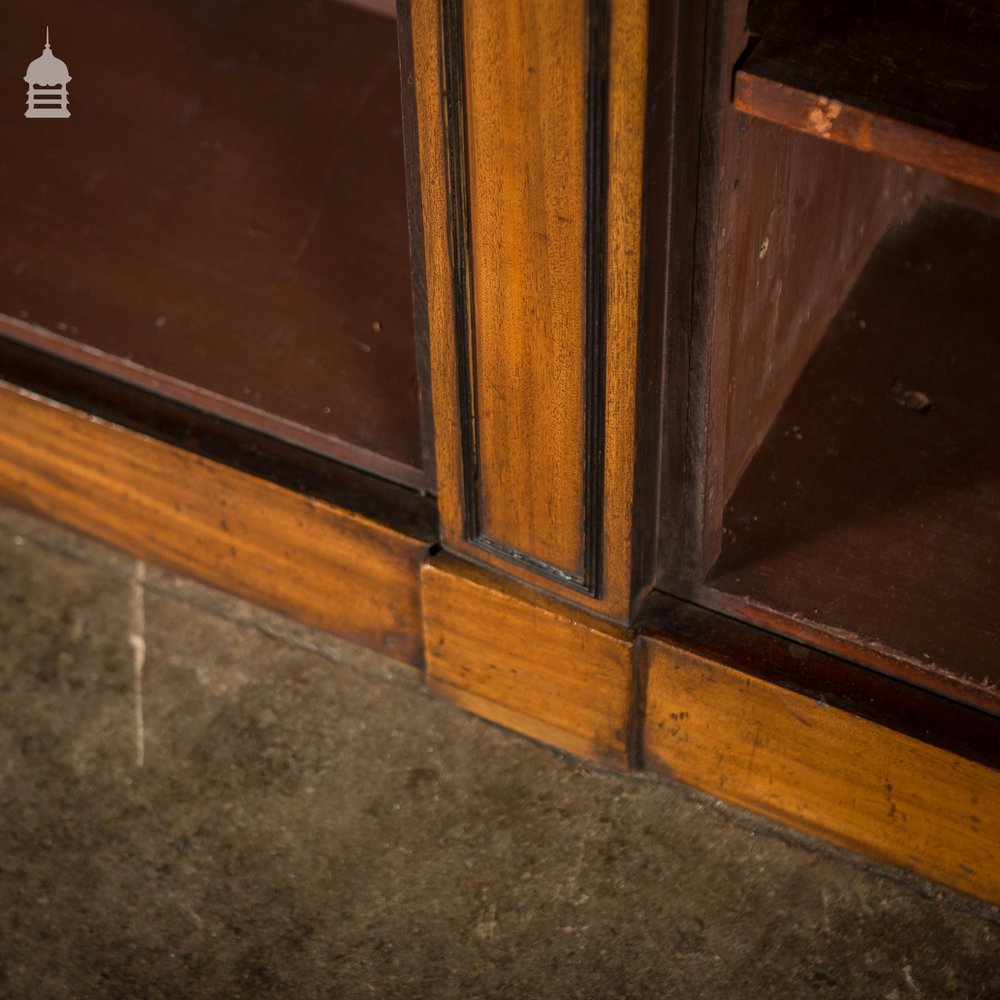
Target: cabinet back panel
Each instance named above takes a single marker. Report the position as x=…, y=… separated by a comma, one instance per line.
x=871, y=512
x=223, y=218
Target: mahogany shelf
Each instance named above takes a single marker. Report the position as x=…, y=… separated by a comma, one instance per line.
x=223, y=219
x=913, y=80
x=870, y=515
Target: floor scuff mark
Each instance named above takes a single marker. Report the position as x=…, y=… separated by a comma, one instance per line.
x=137, y=640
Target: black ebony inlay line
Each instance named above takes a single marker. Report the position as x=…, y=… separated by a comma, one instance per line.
x=588, y=580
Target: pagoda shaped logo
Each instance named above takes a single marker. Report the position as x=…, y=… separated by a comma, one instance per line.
x=47, y=79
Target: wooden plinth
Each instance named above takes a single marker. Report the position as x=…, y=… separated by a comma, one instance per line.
x=514, y=656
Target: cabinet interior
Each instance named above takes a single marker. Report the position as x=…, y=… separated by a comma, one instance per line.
x=852, y=488
x=223, y=219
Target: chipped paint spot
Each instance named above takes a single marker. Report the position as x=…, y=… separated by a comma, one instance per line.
x=822, y=117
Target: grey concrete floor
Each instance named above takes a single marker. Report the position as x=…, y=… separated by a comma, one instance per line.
x=264, y=811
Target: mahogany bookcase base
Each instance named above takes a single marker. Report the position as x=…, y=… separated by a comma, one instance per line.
x=718, y=718
x=325, y=565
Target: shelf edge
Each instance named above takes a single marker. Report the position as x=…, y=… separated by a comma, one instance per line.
x=838, y=121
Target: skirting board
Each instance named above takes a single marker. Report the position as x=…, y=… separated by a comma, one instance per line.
x=517, y=658
x=820, y=769
x=322, y=564
x=510, y=654
x=528, y=662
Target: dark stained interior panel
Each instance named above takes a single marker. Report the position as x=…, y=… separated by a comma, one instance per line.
x=871, y=511
x=223, y=218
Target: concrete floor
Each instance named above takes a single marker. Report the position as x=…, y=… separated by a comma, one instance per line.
x=284, y=815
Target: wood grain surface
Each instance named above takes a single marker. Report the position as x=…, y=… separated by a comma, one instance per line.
x=821, y=769
x=525, y=71
x=528, y=662
x=525, y=424
x=322, y=564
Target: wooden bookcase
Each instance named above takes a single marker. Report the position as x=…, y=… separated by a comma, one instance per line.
x=626, y=367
